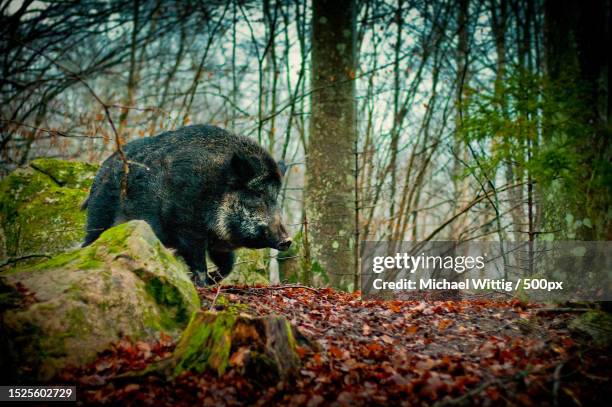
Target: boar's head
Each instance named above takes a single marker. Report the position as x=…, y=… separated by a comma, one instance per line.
x=248, y=214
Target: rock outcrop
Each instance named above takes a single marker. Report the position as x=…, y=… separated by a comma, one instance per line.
x=65, y=310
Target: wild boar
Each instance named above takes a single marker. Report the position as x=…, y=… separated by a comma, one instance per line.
x=203, y=190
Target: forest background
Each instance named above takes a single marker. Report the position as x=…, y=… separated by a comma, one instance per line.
x=400, y=120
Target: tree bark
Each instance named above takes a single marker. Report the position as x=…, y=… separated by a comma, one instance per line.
x=329, y=195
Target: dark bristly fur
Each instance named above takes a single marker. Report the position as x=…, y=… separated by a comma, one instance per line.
x=202, y=190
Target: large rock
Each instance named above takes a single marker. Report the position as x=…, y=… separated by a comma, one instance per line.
x=250, y=268
x=64, y=311
x=39, y=207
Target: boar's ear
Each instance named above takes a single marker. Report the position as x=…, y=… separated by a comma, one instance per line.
x=282, y=167
x=244, y=167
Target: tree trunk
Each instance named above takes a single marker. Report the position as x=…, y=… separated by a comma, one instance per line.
x=330, y=195
x=397, y=118
x=263, y=349
x=460, y=186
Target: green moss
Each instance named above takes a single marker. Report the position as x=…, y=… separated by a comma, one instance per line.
x=164, y=255
x=60, y=260
x=150, y=318
x=173, y=309
x=290, y=337
x=78, y=299
x=222, y=301
x=39, y=206
x=91, y=264
x=77, y=321
x=251, y=268
x=115, y=237
x=174, y=295
x=71, y=174
x=206, y=343
x=81, y=259
x=20, y=185
x=232, y=307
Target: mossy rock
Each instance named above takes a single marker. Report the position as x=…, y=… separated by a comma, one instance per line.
x=250, y=268
x=39, y=207
x=65, y=310
x=69, y=174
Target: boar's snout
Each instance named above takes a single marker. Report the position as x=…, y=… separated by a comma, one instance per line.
x=283, y=240
x=284, y=244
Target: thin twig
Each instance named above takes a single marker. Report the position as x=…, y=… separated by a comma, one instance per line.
x=13, y=260
x=49, y=131
x=105, y=106
x=212, y=305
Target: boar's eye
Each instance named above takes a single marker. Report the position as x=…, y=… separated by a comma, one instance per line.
x=256, y=195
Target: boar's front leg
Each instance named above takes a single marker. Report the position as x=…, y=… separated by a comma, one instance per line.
x=224, y=260
x=194, y=253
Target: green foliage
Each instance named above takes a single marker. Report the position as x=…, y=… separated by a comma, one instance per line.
x=541, y=129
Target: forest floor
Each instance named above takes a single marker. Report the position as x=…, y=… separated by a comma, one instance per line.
x=480, y=351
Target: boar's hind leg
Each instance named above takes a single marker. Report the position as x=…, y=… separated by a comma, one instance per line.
x=194, y=254
x=224, y=262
